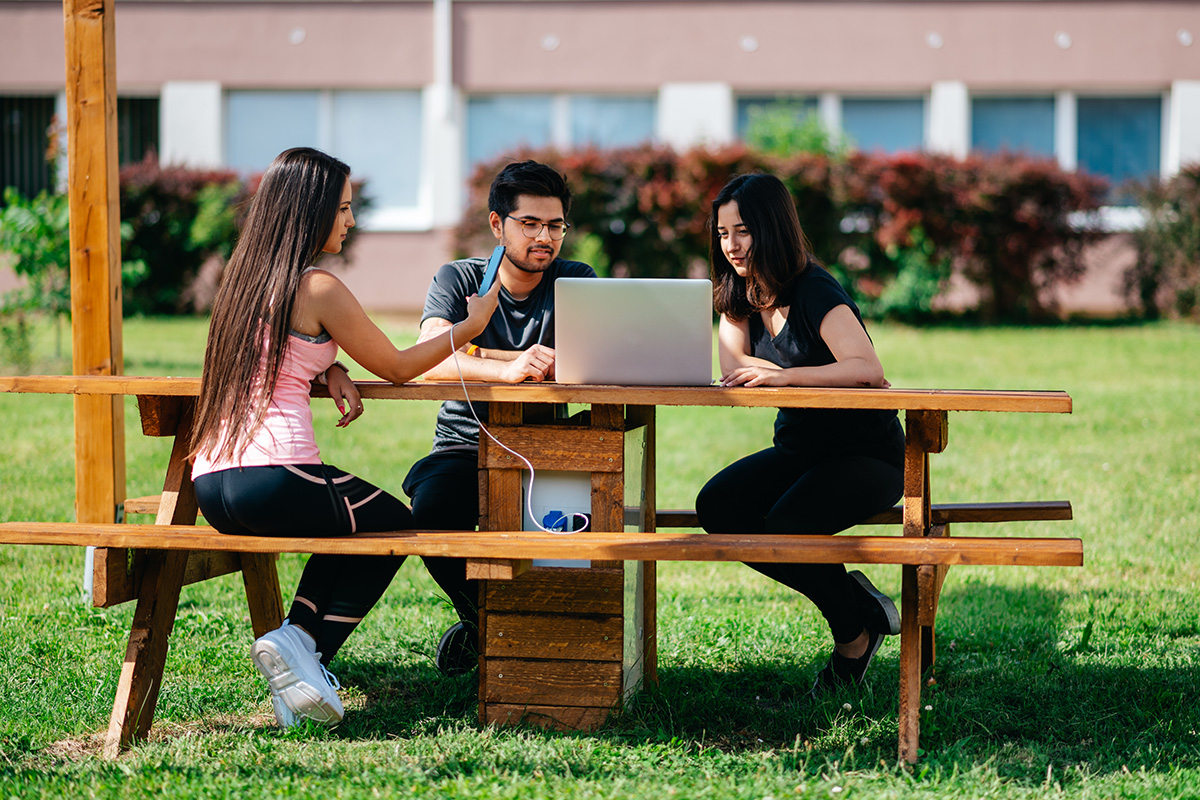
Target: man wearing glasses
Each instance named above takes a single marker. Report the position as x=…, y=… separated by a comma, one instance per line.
x=528, y=203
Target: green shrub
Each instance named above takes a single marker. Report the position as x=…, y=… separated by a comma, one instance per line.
x=180, y=217
x=784, y=129
x=1002, y=222
x=35, y=242
x=1166, y=276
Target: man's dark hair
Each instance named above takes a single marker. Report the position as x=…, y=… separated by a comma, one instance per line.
x=526, y=177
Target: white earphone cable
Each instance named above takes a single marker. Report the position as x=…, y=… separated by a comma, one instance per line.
x=483, y=428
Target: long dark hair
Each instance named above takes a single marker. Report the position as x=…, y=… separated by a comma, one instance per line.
x=290, y=220
x=779, y=252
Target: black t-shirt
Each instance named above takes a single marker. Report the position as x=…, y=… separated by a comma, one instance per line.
x=517, y=325
x=814, y=293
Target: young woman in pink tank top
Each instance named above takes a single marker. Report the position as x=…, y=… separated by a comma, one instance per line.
x=276, y=327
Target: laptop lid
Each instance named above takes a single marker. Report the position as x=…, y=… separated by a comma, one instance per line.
x=633, y=331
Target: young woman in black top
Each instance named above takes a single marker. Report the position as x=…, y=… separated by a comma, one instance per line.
x=785, y=321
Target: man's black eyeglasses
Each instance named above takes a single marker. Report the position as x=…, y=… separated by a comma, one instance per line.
x=532, y=228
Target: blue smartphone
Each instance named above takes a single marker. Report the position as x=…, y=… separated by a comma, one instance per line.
x=489, y=272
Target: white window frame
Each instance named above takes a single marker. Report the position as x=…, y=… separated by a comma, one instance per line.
x=413, y=218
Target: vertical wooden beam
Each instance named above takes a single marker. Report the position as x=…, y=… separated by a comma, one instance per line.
x=910, y=666
x=500, y=509
x=91, y=75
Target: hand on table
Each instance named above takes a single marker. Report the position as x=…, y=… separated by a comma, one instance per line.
x=756, y=375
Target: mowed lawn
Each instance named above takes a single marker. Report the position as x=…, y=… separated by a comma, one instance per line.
x=1051, y=682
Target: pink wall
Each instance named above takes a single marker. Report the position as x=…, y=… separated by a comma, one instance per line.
x=345, y=45
x=837, y=46
x=392, y=271
x=628, y=46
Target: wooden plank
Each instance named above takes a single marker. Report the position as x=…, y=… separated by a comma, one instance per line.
x=497, y=569
x=95, y=251
x=554, y=636
x=559, y=591
x=939, y=514
x=553, y=683
x=142, y=505
x=850, y=549
x=504, y=501
x=1051, y=402
x=203, y=566
x=160, y=414
x=559, y=447
x=558, y=718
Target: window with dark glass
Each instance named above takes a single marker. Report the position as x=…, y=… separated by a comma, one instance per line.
x=1119, y=138
x=1013, y=124
x=25, y=126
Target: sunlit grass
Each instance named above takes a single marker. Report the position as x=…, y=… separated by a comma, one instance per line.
x=1050, y=681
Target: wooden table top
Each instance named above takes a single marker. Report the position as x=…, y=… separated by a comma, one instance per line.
x=1056, y=402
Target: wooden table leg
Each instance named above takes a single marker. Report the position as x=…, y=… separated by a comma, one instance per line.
x=925, y=432
x=141, y=674
x=910, y=666
x=162, y=574
x=261, y=580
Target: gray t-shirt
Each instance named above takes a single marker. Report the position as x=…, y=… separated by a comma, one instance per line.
x=517, y=325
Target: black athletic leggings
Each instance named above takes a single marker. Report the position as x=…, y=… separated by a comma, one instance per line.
x=774, y=491
x=335, y=591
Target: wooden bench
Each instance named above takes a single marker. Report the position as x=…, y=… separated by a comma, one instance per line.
x=490, y=553
x=527, y=680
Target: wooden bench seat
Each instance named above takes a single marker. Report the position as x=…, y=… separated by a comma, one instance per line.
x=524, y=545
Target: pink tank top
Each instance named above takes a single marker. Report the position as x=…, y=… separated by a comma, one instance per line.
x=286, y=435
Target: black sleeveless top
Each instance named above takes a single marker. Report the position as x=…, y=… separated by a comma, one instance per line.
x=818, y=431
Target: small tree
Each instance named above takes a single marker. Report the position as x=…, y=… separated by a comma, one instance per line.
x=785, y=129
x=1166, y=275
x=35, y=241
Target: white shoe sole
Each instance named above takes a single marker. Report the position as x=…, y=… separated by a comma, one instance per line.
x=301, y=698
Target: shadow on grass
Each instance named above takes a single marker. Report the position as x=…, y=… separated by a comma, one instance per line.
x=1008, y=695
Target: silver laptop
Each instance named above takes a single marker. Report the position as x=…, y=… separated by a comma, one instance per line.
x=633, y=331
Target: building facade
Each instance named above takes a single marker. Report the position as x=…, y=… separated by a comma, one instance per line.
x=413, y=93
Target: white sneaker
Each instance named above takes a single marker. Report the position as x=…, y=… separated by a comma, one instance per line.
x=301, y=687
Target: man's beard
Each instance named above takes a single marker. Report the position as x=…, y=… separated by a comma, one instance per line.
x=529, y=265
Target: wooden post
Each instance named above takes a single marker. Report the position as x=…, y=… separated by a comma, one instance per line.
x=90, y=39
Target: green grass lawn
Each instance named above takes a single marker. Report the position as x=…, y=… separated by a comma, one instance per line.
x=1050, y=681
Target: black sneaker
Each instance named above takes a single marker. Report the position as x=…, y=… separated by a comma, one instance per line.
x=878, y=611
x=458, y=651
x=842, y=671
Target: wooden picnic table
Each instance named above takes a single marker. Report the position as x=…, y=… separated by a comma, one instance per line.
x=564, y=647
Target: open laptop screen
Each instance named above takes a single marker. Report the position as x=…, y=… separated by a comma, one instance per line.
x=633, y=331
